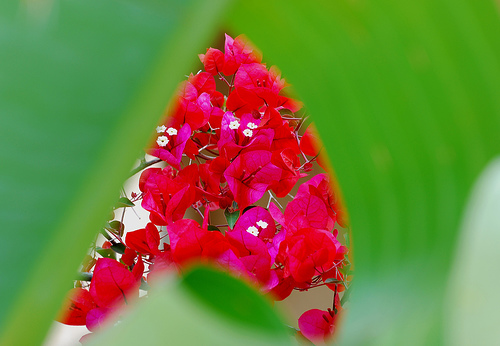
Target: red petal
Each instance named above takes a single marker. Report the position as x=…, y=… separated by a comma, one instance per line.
x=112, y=283
x=77, y=304
x=316, y=325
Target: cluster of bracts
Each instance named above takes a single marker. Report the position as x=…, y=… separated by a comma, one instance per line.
x=228, y=151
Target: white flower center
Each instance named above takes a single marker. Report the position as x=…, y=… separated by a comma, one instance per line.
x=253, y=230
x=162, y=141
x=262, y=224
x=171, y=131
x=233, y=125
x=252, y=126
x=160, y=129
x=248, y=132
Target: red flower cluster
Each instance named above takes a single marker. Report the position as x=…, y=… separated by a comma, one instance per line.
x=226, y=151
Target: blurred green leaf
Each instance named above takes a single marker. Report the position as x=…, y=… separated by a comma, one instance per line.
x=83, y=85
x=232, y=298
x=404, y=95
x=206, y=308
x=83, y=276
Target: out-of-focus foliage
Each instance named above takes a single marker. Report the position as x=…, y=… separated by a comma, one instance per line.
x=404, y=95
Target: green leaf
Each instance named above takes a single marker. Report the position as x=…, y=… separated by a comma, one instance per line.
x=118, y=248
x=83, y=85
x=213, y=228
x=216, y=308
x=124, y=202
x=116, y=227
x=231, y=217
x=107, y=253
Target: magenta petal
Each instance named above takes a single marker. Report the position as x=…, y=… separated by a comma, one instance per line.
x=271, y=283
x=257, y=217
x=228, y=260
x=227, y=135
x=316, y=325
x=250, y=175
x=96, y=318
x=276, y=214
x=313, y=210
x=273, y=248
x=180, y=141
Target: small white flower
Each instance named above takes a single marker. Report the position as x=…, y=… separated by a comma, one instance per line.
x=262, y=224
x=252, y=126
x=171, y=131
x=248, y=132
x=160, y=129
x=233, y=125
x=253, y=230
x=162, y=141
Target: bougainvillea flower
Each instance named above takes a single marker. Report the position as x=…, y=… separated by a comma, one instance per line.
x=186, y=240
x=172, y=152
x=239, y=51
x=204, y=82
x=245, y=102
x=152, y=179
x=284, y=138
x=236, y=137
x=284, y=287
x=144, y=240
x=288, y=161
x=213, y=61
x=259, y=218
x=274, y=246
x=172, y=201
x=321, y=187
x=129, y=257
x=252, y=253
x=310, y=252
x=178, y=204
x=307, y=211
x=252, y=76
x=229, y=261
x=317, y=325
x=138, y=269
x=112, y=283
x=77, y=304
x=310, y=143
x=250, y=175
